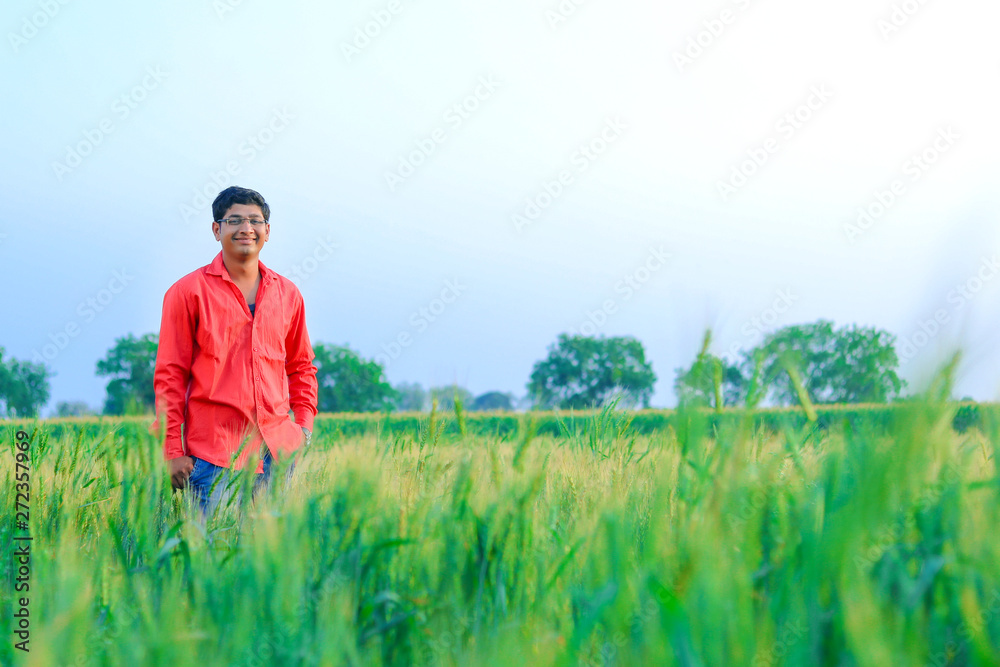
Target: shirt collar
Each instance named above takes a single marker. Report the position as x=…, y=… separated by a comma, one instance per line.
x=218, y=268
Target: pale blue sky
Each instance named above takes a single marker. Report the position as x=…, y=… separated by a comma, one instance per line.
x=163, y=99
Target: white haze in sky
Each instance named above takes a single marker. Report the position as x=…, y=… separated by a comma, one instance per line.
x=455, y=184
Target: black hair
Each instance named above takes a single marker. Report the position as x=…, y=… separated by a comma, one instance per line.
x=237, y=195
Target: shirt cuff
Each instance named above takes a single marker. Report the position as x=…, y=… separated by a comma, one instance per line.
x=172, y=448
x=306, y=420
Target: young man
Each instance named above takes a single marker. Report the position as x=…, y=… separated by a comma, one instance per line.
x=233, y=357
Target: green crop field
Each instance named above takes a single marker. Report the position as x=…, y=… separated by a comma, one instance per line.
x=751, y=539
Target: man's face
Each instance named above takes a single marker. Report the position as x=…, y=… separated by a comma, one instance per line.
x=243, y=240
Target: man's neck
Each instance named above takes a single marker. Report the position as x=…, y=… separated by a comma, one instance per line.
x=242, y=270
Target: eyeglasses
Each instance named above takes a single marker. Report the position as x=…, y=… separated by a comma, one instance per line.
x=257, y=223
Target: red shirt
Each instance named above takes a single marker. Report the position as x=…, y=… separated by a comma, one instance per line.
x=225, y=376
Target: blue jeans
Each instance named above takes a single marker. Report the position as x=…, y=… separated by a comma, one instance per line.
x=210, y=483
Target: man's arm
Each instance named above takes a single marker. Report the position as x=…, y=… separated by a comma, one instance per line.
x=303, y=392
x=173, y=370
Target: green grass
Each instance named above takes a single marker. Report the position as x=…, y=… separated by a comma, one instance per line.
x=705, y=542
x=511, y=425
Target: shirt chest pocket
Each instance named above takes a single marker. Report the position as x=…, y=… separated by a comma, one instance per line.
x=272, y=360
x=221, y=328
x=220, y=342
x=211, y=343
x=271, y=351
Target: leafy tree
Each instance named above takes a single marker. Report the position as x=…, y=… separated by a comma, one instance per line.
x=411, y=397
x=130, y=365
x=584, y=372
x=24, y=387
x=866, y=360
x=848, y=365
x=73, y=409
x=493, y=400
x=445, y=396
x=709, y=380
x=348, y=383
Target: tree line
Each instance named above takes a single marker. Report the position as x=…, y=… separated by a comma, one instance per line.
x=830, y=365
